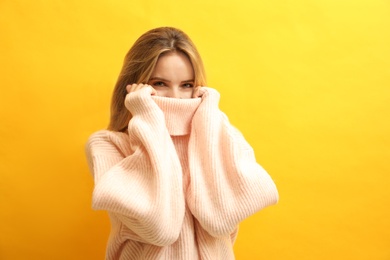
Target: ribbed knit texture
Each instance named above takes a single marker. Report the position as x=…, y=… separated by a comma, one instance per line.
x=177, y=185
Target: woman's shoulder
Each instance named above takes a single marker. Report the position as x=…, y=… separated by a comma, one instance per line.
x=108, y=135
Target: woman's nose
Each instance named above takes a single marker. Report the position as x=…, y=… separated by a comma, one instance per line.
x=174, y=93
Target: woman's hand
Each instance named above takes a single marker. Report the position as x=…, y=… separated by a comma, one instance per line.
x=139, y=98
x=198, y=92
x=135, y=87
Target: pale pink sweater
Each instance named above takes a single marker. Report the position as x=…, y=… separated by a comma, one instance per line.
x=177, y=185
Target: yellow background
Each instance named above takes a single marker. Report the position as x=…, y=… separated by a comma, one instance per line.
x=306, y=81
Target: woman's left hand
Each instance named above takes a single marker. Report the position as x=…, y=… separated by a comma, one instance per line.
x=198, y=92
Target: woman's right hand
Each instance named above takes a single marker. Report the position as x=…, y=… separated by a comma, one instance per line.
x=138, y=98
x=134, y=87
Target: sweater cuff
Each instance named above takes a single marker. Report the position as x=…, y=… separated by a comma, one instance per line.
x=140, y=102
x=211, y=97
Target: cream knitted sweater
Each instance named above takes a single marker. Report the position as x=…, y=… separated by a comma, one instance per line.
x=177, y=185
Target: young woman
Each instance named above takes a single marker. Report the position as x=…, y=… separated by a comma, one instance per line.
x=174, y=175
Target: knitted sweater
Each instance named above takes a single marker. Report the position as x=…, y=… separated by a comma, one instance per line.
x=179, y=182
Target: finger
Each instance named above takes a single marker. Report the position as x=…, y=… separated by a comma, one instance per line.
x=128, y=87
x=199, y=92
x=150, y=88
x=195, y=93
x=202, y=91
x=153, y=91
x=134, y=87
x=131, y=87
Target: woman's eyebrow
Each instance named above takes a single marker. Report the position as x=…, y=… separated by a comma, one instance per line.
x=158, y=78
x=189, y=80
x=162, y=79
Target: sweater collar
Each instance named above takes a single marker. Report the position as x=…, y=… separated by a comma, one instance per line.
x=178, y=113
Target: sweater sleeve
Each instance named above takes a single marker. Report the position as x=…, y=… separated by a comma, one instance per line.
x=227, y=184
x=143, y=185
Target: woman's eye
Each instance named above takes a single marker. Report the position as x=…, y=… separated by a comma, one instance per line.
x=188, y=85
x=158, y=84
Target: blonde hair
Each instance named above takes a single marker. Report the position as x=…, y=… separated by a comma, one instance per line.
x=139, y=64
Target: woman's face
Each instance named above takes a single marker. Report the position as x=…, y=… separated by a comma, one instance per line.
x=173, y=76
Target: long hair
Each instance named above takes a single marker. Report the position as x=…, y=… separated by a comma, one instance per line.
x=139, y=64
